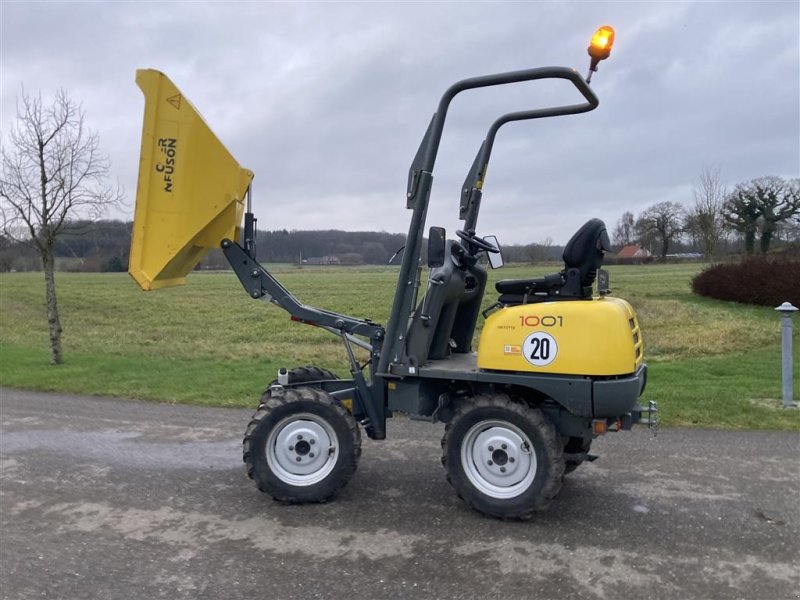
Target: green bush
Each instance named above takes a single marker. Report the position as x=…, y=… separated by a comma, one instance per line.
x=116, y=264
x=753, y=281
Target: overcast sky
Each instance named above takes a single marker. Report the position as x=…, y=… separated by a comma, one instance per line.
x=327, y=102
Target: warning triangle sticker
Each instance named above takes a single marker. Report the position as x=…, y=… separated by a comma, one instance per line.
x=175, y=101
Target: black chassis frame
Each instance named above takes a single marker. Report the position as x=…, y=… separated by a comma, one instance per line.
x=411, y=382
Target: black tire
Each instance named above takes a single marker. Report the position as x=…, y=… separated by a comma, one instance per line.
x=307, y=374
x=300, y=375
x=289, y=425
x=515, y=485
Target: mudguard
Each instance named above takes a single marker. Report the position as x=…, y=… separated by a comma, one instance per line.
x=191, y=191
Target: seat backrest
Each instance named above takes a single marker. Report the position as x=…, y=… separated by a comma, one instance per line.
x=583, y=256
x=585, y=250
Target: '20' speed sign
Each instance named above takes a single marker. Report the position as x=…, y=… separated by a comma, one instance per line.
x=540, y=349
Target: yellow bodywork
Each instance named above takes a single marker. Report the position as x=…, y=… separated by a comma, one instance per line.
x=191, y=191
x=594, y=337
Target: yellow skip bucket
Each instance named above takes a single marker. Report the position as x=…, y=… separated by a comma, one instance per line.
x=191, y=191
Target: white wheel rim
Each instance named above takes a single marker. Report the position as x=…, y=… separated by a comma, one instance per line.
x=498, y=459
x=302, y=449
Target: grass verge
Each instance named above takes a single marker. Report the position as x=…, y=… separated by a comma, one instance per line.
x=732, y=391
x=203, y=382
x=712, y=364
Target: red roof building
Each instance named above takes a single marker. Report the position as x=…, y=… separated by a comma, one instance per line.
x=633, y=251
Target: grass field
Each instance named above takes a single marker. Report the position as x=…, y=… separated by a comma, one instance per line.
x=712, y=364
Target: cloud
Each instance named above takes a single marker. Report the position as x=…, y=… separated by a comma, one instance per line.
x=327, y=102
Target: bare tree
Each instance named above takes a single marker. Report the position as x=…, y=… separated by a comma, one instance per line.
x=792, y=227
x=759, y=206
x=780, y=201
x=742, y=214
x=51, y=171
x=625, y=231
x=789, y=231
x=705, y=221
x=660, y=225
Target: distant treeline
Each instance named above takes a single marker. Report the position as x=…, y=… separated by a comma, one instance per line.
x=104, y=246
x=81, y=246
x=361, y=247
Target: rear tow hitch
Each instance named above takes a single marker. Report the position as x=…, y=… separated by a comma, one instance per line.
x=648, y=415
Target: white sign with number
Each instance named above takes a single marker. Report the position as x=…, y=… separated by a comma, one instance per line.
x=540, y=348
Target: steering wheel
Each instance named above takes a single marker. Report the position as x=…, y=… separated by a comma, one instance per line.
x=476, y=241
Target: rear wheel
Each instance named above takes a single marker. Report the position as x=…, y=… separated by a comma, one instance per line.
x=301, y=445
x=504, y=458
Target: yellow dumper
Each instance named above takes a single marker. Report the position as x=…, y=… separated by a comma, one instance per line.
x=557, y=365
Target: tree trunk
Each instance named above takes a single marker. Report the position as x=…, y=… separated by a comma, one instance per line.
x=749, y=242
x=53, y=322
x=709, y=243
x=766, y=237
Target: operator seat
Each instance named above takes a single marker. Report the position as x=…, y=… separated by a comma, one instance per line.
x=583, y=256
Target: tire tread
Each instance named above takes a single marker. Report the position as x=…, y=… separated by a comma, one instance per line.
x=277, y=397
x=553, y=448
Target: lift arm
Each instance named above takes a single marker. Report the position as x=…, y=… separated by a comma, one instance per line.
x=261, y=284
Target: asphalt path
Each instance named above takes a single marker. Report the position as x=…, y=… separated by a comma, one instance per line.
x=106, y=498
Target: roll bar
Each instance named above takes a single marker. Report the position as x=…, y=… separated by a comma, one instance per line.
x=471, y=191
x=420, y=182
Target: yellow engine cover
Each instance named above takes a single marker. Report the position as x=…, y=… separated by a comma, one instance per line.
x=593, y=337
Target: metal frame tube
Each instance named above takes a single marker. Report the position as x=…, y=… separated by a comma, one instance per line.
x=422, y=176
x=786, y=311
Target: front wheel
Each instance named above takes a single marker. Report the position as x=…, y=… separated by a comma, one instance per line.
x=504, y=458
x=301, y=445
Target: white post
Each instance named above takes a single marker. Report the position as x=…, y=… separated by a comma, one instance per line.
x=787, y=311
